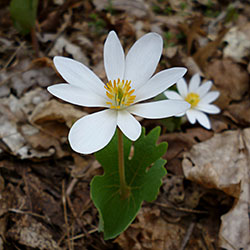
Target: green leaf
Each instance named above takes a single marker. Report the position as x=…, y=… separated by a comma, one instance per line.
x=144, y=181
x=23, y=13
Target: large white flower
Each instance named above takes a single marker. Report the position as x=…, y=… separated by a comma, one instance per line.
x=129, y=81
x=199, y=97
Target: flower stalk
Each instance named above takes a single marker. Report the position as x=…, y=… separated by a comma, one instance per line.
x=124, y=188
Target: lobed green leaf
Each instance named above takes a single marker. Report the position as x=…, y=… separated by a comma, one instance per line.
x=144, y=172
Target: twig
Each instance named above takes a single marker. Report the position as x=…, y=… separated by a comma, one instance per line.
x=187, y=235
x=82, y=235
x=71, y=186
x=35, y=44
x=188, y=210
x=14, y=210
x=12, y=56
x=65, y=214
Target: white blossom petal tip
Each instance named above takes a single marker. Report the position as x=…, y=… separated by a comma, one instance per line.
x=142, y=59
x=114, y=59
x=199, y=98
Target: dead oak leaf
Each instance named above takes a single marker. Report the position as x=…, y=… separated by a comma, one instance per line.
x=222, y=162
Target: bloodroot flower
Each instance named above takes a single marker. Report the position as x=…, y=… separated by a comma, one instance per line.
x=199, y=97
x=129, y=82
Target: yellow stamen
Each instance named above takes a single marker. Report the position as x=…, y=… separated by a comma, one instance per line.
x=193, y=99
x=120, y=94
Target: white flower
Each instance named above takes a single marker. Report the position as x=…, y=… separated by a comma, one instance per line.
x=199, y=97
x=129, y=81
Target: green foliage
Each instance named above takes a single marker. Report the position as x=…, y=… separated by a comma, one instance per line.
x=162, y=8
x=110, y=8
x=232, y=14
x=97, y=24
x=172, y=123
x=116, y=214
x=183, y=5
x=23, y=13
x=168, y=36
x=211, y=9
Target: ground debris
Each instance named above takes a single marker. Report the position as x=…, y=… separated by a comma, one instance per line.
x=226, y=168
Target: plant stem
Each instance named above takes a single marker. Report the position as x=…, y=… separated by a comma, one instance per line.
x=124, y=189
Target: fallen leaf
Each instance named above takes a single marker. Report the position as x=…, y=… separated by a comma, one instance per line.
x=32, y=233
x=238, y=43
x=202, y=55
x=52, y=116
x=62, y=45
x=151, y=231
x=136, y=8
x=229, y=78
x=240, y=112
x=222, y=163
x=192, y=31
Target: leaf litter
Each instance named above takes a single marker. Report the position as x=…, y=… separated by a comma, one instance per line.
x=44, y=186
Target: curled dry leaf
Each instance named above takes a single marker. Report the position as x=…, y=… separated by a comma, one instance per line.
x=63, y=44
x=230, y=79
x=181, y=142
x=32, y=233
x=136, y=8
x=151, y=231
x=222, y=162
x=54, y=111
x=238, y=39
x=240, y=112
x=13, y=130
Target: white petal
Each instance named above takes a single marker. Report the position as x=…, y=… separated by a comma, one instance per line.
x=159, y=82
x=142, y=59
x=194, y=83
x=204, y=120
x=182, y=87
x=76, y=95
x=170, y=94
x=208, y=108
x=79, y=75
x=191, y=115
x=210, y=97
x=180, y=115
x=93, y=132
x=204, y=88
x=114, y=59
x=128, y=125
x=159, y=109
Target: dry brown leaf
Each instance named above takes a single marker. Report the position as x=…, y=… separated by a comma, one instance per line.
x=52, y=116
x=229, y=78
x=238, y=39
x=222, y=162
x=14, y=129
x=240, y=112
x=32, y=233
x=192, y=32
x=151, y=232
x=202, y=55
x=136, y=8
x=63, y=44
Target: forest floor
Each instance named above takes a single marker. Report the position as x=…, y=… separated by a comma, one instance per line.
x=45, y=186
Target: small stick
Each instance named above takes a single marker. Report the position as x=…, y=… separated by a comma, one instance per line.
x=187, y=235
x=65, y=214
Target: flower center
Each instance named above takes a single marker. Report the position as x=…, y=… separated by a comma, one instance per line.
x=193, y=99
x=120, y=94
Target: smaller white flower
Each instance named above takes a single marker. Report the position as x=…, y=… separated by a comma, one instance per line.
x=199, y=97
